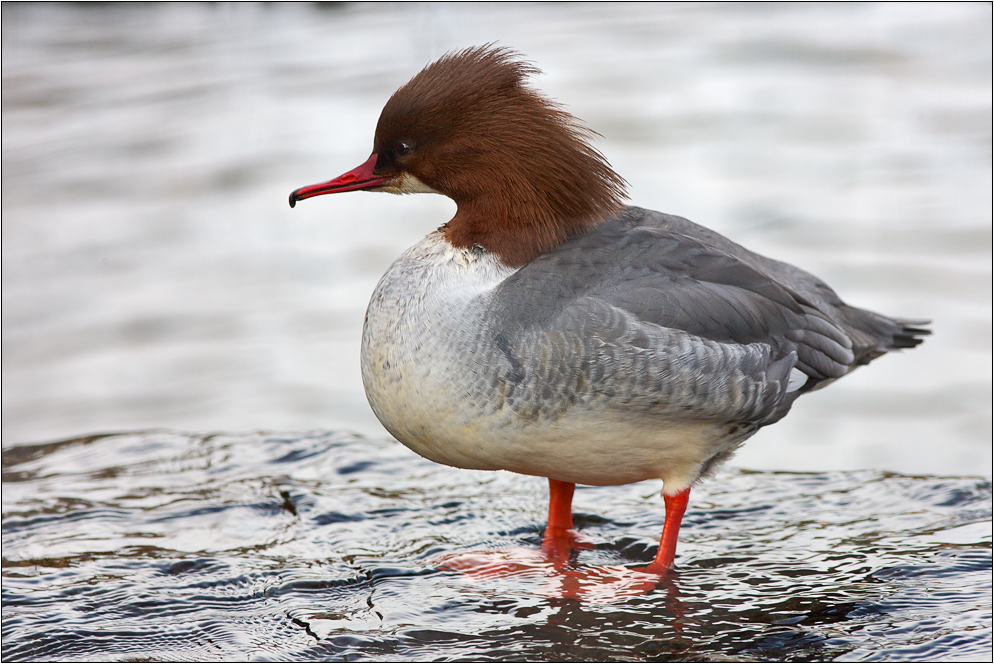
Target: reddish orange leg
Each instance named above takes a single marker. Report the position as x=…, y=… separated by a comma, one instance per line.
x=676, y=505
x=560, y=540
x=560, y=506
x=556, y=564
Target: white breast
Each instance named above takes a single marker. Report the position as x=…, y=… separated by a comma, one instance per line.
x=423, y=324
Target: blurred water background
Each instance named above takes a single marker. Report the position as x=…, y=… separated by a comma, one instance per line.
x=153, y=275
x=155, y=278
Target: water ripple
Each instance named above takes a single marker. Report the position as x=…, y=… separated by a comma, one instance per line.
x=327, y=546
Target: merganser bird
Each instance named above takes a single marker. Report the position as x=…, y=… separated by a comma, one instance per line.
x=551, y=330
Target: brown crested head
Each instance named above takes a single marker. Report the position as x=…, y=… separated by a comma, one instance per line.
x=519, y=167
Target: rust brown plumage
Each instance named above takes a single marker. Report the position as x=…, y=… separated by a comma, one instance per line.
x=519, y=167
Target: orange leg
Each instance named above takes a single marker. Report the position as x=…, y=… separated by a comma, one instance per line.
x=556, y=563
x=560, y=507
x=676, y=505
x=559, y=539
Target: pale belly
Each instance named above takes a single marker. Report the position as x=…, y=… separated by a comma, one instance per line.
x=602, y=451
x=449, y=423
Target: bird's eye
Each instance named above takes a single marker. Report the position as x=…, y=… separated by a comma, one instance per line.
x=403, y=149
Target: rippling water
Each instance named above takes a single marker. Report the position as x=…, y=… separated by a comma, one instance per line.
x=327, y=546
x=153, y=276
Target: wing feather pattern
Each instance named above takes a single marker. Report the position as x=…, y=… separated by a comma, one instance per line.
x=649, y=312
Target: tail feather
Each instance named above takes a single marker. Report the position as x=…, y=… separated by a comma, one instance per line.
x=874, y=335
x=909, y=334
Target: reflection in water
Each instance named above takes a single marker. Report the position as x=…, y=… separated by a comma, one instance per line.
x=562, y=577
x=327, y=546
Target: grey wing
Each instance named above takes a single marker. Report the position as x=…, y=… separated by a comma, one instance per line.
x=599, y=356
x=654, y=313
x=868, y=334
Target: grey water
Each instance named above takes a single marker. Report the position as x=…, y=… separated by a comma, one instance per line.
x=155, y=282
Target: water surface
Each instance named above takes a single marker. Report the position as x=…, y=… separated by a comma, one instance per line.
x=327, y=546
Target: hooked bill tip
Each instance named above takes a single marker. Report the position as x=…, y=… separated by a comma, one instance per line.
x=293, y=199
